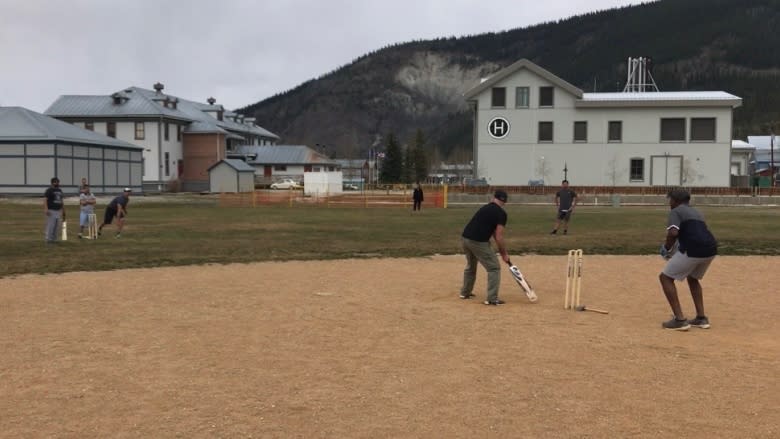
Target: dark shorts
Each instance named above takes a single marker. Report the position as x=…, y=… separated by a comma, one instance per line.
x=564, y=214
x=108, y=217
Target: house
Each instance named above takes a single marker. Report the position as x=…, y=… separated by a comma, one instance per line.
x=180, y=138
x=34, y=148
x=274, y=162
x=766, y=155
x=231, y=175
x=530, y=125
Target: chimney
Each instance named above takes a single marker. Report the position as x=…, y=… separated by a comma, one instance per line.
x=158, y=87
x=211, y=101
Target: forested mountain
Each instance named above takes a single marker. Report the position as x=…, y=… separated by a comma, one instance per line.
x=729, y=45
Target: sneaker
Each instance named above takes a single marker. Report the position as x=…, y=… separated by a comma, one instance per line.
x=565, y=232
x=676, y=325
x=700, y=322
x=494, y=302
x=467, y=296
x=80, y=237
x=553, y=232
x=118, y=235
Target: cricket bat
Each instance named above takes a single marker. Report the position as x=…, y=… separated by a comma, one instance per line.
x=64, y=230
x=520, y=279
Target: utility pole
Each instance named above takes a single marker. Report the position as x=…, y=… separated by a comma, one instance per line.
x=772, y=158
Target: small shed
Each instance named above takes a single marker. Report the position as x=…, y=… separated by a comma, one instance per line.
x=231, y=175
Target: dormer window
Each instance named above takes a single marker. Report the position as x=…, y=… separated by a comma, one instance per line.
x=220, y=114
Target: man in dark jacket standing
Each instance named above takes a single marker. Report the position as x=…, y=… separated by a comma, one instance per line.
x=489, y=222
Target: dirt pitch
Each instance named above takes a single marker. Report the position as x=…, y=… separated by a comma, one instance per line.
x=384, y=348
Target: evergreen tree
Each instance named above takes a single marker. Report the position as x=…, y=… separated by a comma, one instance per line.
x=420, y=158
x=392, y=163
x=407, y=170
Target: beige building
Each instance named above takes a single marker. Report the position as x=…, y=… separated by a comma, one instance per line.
x=530, y=125
x=181, y=139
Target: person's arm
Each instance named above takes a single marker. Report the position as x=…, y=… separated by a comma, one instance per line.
x=671, y=237
x=573, y=201
x=498, y=236
x=46, y=205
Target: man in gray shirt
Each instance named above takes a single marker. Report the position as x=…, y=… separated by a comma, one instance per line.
x=565, y=200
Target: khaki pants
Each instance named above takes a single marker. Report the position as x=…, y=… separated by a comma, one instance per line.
x=484, y=253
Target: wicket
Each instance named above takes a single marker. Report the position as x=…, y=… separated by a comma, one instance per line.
x=91, y=226
x=573, y=280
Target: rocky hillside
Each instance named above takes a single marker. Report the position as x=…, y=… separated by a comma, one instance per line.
x=729, y=45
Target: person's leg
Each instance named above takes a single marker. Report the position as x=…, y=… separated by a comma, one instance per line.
x=670, y=291
x=52, y=222
x=566, y=219
x=470, y=272
x=487, y=257
x=120, y=224
x=557, y=224
x=696, y=294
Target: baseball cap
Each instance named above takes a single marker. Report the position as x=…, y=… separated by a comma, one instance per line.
x=501, y=195
x=127, y=189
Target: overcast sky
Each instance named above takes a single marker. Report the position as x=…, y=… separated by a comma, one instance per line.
x=238, y=51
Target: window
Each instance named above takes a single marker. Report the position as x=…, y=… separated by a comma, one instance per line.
x=498, y=98
x=521, y=97
x=546, y=97
x=615, y=131
x=167, y=164
x=673, y=129
x=545, y=131
x=178, y=133
x=581, y=131
x=703, y=129
x=139, y=131
x=111, y=129
x=280, y=167
x=166, y=134
x=637, y=169
x=89, y=126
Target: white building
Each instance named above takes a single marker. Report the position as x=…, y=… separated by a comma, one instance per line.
x=531, y=125
x=181, y=139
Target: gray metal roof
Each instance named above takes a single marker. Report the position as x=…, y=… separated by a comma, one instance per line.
x=518, y=65
x=19, y=124
x=281, y=155
x=140, y=102
x=238, y=165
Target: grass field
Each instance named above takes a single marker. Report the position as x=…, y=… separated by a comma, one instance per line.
x=167, y=234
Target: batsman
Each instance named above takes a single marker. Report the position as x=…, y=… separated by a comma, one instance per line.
x=488, y=222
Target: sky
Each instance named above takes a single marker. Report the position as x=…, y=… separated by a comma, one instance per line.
x=238, y=51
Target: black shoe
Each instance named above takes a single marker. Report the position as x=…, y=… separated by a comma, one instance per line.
x=494, y=302
x=700, y=322
x=467, y=296
x=553, y=232
x=676, y=325
x=565, y=232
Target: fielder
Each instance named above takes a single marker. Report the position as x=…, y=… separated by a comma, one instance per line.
x=565, y=200
x=696, y=248
x=117, y=208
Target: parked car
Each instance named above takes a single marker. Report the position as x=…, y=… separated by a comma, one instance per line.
x=350, y=187
x=287, y=183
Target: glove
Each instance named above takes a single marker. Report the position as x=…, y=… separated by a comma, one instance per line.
x=664, y=252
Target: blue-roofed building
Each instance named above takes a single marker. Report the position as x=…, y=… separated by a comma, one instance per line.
x=34, y=148
x=180, y=138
